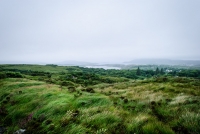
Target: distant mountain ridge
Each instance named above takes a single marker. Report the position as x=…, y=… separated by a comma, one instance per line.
x=163, y=62
x=132, y=62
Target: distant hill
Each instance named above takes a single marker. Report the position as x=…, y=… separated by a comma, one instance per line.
x=164, y=62
x=75, y=63
x=113, y=64
x=22, y=62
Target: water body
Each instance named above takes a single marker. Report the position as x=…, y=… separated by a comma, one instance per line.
x=104, y=67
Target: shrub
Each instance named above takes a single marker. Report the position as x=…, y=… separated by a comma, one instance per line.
x=14, y=75
x=89, y=89
x=3, y=75
x=71, y=89
x=67, y=83
x=161, y=79
x=125, y=100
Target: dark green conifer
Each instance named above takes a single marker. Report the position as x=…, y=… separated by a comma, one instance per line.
x=138, y=71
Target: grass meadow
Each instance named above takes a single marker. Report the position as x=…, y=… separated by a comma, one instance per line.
x=148, y=106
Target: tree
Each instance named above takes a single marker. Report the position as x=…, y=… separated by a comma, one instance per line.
x=161, y=71
x=138, y=71
x=49, y=76
x=157, y=71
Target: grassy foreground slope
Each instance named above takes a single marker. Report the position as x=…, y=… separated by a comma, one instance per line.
x=153, y=105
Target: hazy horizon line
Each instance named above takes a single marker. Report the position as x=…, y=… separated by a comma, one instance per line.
x=91, y=62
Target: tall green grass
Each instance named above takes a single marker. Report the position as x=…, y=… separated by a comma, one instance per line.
x=140, y=107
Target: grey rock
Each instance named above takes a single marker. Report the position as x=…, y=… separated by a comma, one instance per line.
x=20, y=131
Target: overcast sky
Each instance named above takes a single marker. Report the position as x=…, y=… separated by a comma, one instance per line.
x=98, y=30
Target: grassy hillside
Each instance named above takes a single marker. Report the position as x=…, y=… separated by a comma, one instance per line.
x=52, y=99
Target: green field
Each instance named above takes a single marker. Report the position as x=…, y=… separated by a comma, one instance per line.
x=75, y=100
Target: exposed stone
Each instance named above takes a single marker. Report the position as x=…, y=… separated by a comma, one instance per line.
x=20, y=131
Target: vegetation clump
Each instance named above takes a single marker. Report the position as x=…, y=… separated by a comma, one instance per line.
x=71, y=89
x=89, y=89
